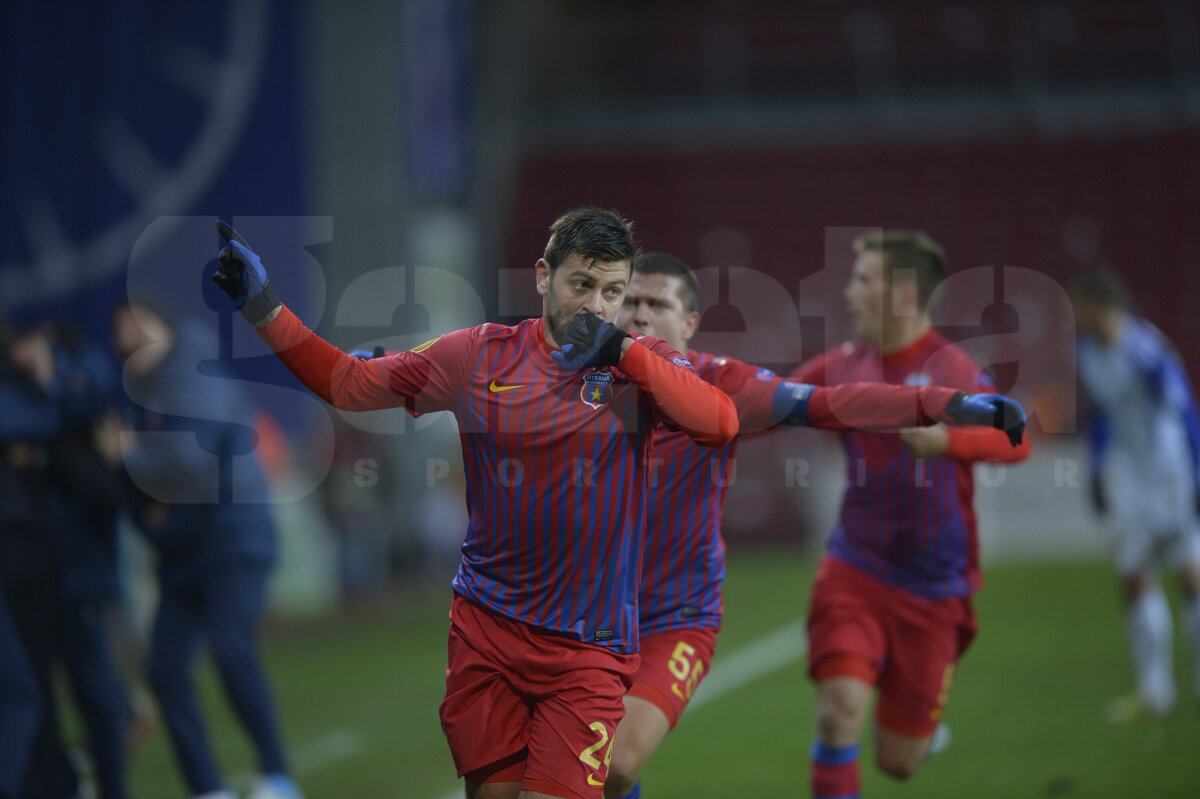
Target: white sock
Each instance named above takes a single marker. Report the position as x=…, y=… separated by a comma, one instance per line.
x=1191, y=623
x=1149, y=622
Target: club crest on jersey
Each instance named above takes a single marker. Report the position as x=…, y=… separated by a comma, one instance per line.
x=918, y=379
x=597, y=388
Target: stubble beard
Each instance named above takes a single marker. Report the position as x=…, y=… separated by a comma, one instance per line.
x=555, y=320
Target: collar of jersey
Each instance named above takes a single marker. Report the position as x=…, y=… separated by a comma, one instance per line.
x=922, y=341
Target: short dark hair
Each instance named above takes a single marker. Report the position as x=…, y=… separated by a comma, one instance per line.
x=594, y=234
x=1101, y=285
x=911, y=251
x=660, y=263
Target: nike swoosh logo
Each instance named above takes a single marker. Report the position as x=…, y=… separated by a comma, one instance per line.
x=593, y=781
x=495, y=387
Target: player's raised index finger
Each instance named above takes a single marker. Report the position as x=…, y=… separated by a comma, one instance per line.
x=227, y=233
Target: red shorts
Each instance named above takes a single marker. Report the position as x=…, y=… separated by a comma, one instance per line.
x=530, y=706
x=673, y=664
x=907, y=646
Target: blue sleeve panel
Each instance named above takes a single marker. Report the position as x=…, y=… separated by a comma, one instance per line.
x=1148, y=355
x=1179, y=396
x=1159, y=366
x=1099, y=434
x=789, y=405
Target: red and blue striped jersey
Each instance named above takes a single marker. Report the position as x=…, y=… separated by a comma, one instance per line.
x=556, y=461
x=907, y=521
x=684, y=563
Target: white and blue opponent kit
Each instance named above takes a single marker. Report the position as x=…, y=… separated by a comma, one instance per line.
x=1145, y=440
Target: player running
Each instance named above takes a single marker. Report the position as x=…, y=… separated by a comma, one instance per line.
x=1145, y=450
x=556, y=417
x=680, y=601
x=891, y=605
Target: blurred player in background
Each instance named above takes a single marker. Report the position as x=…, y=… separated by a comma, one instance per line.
x=556, y=416
x=1145, y=451
x=680, y=600
x=891, y=608
x=212, y=529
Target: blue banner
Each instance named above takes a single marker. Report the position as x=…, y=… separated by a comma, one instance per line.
x=119, y=114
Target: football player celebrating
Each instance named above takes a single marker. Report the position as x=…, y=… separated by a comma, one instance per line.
x=556, y=417
x=891, y=605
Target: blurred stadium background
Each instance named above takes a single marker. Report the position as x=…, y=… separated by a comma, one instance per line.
x=407, y=157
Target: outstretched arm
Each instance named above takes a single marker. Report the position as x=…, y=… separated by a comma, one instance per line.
x=699, y=409
x=764, y=400
x=419, y=381
x=344, y=381
x=879, y=407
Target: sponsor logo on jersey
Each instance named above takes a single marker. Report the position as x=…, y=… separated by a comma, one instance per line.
x=597, y=388
x=918, y=379
x=764, y=375
x=495, y=387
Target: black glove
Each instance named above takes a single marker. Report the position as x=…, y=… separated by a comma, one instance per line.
x=242, y=276
x=990, y=410
x=589, y=341
x=1099, y=498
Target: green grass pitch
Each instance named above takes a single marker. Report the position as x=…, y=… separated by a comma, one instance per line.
x=359, y=702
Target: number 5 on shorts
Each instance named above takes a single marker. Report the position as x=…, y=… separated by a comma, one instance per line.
x=684, y=670
x=588, y=756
